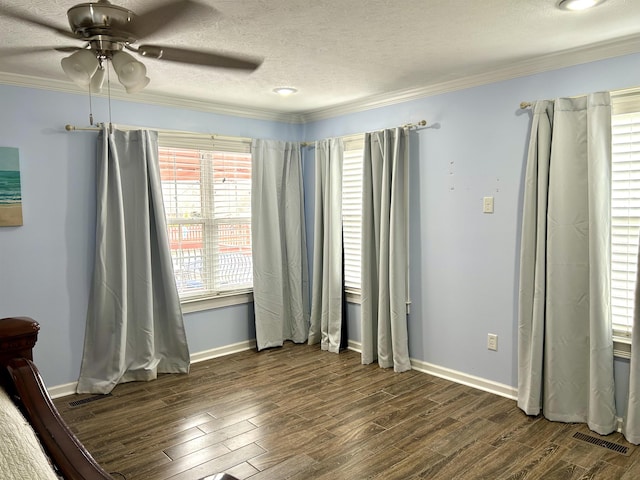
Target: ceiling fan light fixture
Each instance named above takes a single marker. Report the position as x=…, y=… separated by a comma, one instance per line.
x=576, y=5
x=80, y=66
x=97, y=80
x=131, y=72
x=135, y=88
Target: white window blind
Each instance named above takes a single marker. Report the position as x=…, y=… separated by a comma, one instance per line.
x=352, y=210
x=206, y=183
x=625, y=217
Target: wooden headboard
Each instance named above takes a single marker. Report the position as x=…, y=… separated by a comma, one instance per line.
x=18, y=335
x=21, y=380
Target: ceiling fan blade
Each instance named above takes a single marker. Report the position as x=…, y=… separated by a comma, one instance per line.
x=14, y=51
x=157, y=18
x=68, y=49
x=198, y=57
x=29, y=18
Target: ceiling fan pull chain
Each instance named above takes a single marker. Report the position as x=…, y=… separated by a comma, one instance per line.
x=109, y=94
x=90, y=107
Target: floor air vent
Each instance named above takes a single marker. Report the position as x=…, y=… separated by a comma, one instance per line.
x=621, y=449
x=76, y=403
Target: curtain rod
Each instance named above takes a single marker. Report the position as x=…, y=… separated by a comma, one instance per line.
x=524, y=105
x=421, y=123
x=71, y=128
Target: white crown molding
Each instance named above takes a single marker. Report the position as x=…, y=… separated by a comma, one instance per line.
x=153, y=99
x=567, y=58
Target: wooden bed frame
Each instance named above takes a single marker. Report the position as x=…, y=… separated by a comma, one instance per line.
x=20, y=378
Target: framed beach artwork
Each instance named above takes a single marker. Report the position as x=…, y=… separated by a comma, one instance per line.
x=10, y=190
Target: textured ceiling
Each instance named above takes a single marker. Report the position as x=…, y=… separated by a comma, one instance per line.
x=342, y=52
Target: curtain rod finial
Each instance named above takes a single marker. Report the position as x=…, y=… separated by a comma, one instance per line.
x=421, y=123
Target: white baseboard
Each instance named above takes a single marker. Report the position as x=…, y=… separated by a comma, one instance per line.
x=619, y=424
x=62, y=390
x=466, y=379
x=222, y=351
x=455, y=376
x=70, y=388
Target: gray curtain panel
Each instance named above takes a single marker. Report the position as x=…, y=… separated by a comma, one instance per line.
x=565, y=345
x=135, y=328
x=328, y=281
x=280, y=270
x=385, y=226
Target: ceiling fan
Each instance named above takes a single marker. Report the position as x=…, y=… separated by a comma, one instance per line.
x=109, y=31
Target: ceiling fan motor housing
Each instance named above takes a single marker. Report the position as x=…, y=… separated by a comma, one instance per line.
x=102, y=20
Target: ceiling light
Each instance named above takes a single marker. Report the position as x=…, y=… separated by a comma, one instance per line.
x=575, y=5
x=285, y=91
x=80, y=66
x=85, y=68
x=97, y=80
x=131, y=73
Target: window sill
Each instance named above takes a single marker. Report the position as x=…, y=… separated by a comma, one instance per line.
x=621, y=346
x=353, y=296
x=208, y=303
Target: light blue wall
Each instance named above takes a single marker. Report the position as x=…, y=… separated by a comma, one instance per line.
x=46, y=265
x=464, y=263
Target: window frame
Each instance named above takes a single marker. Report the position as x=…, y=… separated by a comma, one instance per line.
x=211, y=143
x=623, y=102
x=352, y=145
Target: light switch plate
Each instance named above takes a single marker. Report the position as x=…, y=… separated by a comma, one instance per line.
x=487, y=205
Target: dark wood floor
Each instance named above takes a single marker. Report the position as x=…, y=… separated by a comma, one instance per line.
x=298, y=413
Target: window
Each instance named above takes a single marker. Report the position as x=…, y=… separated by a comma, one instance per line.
x=625, y=209
x=206, y=184
x=352, y=210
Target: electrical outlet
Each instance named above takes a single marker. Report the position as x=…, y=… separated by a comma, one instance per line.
x=492, y=341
